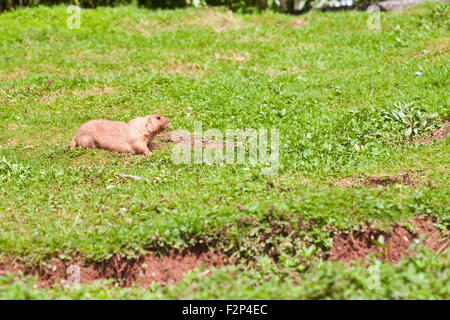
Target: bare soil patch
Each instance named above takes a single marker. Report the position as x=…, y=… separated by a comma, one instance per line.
x=177, y=137
x=142, y=270
x=396, y=244
x=437, y=134
x=408, y=179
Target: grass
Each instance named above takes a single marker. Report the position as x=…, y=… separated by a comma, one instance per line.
x=324, y=80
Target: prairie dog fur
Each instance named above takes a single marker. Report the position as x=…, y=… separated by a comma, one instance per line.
x=133, y=137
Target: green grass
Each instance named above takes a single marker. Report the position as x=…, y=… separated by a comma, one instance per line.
x=328, y=86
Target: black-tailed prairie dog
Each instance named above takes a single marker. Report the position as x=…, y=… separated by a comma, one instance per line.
x=133, y=137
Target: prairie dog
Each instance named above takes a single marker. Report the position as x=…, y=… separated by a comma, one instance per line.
x=133, y=137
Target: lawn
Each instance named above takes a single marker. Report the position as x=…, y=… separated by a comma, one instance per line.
x=352, y=106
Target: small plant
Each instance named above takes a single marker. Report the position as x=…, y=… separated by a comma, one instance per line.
x=15, y=171
x=412, y=120
x=441, y=14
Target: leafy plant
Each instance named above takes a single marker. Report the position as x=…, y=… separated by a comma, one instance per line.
x=13, y=171
x=413, y=121
x=441, y=13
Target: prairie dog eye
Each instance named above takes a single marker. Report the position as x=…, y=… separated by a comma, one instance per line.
x=159, y=118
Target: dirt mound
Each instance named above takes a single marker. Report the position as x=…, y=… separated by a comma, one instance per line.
x=348, y=247
x=180, y=138
x=438, y=134
x=165, y=269
x=142, y=270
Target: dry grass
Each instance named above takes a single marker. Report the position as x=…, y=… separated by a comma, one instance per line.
x=232, y=56
x=9, y=143
x=51, y=97
x=184, y=68
x=14, y=74
x=217, y=20
x=290, y=70
x=208, y=19
x=434, y=49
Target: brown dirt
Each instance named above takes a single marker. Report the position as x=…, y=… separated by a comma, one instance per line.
x=165, y=140
x=438, y=134
x=375, y=181
x=351, y=246
x=142, y=270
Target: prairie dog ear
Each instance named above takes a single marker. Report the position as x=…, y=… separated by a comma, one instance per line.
x=150, y=123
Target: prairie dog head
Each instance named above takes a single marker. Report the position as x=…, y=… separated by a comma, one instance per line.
x=156, y=124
